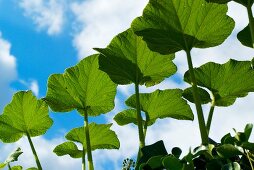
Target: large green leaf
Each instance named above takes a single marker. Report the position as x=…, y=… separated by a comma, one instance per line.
x=160, y=104
x=24, y=115
x=83, y=86
x=127, y=59
x=226, y=81
x=68, y=148
x=101, y=137
x=169, y=26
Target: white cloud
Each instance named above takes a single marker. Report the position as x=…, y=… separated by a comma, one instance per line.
x=32, y=85
x=8, y=72
x=47, y=15
x=99, y=21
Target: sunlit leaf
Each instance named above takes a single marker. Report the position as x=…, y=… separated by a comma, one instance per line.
x=127, y=59
x=243, y=2
x=68, y=148
x=225, y=81
x=83, y=86
x=161, y=104
x=204, y=95
x=169, y=26
x=24, y=115
x=101, y=137
x=16, y=167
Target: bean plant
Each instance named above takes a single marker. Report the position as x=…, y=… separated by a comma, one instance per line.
x=143, y=55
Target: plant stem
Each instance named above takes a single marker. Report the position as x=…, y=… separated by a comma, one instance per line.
x=34, y=152
x=139, y=119
x=9, y=166
x=88, y=144
x=146, y=124
x=83, y=159
x=210, y=116
x=201, y=120
x=251, y=21
x=249, y=159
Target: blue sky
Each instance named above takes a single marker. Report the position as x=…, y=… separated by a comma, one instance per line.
x=42, y=37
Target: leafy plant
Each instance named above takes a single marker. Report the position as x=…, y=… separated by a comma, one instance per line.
x=25, y=115
x=169, y=26
x=127, y=59
x=84, y=88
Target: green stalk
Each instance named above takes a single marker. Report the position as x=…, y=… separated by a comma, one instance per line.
x=210, y=116
x=88, y=144
x=34, y=152
x=201, y=120
x=251, y=22
x=9, y=166
x=83, y=159
x=140, y=124
x=249, y=159
x=146, y=124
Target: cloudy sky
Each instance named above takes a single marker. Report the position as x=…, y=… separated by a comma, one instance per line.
x=42, y=37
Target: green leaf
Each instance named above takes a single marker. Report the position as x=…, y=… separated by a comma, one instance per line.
x=172, y=163
x=247, y=131
x=204, y=95
x=248, y=145
x=163, y=104
x=24, y=115
x=129, y=116
x=83, y=86
x=155, y=162
x=228, y=151
x=169, y=26
x=13, y=156
x=225, y=81
x=17, y=168
x=32, y=168
x=176, y=152
x=244, y=37
x=243, y=2
x=101, y=137
x=231, y=166
x=68, y=148
x=2, y=165
x=127, y=59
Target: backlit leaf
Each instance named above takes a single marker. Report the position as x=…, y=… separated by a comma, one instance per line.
x=244, y=37
x=24, y=115
x=68, y=148
x=169, y=26
x=226, y=81
x=243, y=2
x=204, y=95
x=83, y=86
x=101, y=137
x=163, y=104
x=127, y=59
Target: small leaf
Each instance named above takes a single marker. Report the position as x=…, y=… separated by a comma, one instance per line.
x=169, y=26
x=101, y=137
x=32, y=168
x=248, y=145
x=155, y=162
x=176, y=152
x=68, y=148
x=231, y=166
x=14, y=156
x=127, y=59
x=244, y=37
x=17, y=168
x=149, y=151
x=204, y=95
x=163, y=104
x=247, y=131
x=24, y=115
x=228, y=151
x=229, y=84
x=2, y=165
x=172, y=163
x=83, y=86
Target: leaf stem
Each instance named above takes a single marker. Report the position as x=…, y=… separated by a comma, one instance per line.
x=139, y=119
x=9, y=166
x=34, y=152
x=88, y=144
x=83, y=159
x=249, y=159
x=251, y=21
x=201, y=120
x=210, y=116
x=146, y=124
